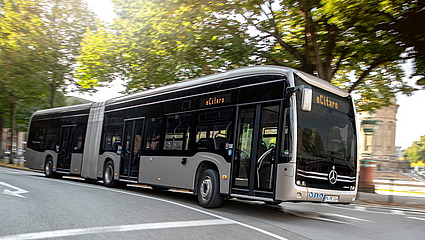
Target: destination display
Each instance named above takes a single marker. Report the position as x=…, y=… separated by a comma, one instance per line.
x=216, y=100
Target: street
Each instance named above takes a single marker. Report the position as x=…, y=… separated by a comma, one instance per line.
x=35, y=207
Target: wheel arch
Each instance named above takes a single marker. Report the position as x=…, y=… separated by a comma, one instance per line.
x=204, y=165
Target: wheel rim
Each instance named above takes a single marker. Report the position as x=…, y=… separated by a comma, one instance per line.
x=108, y=174
x=48, y=167
x=206, y=188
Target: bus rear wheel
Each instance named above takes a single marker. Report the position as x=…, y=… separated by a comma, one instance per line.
x=209, y=189
x=48, y=169
x=108, y=175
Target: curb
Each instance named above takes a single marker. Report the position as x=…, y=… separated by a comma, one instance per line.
x=19, y=168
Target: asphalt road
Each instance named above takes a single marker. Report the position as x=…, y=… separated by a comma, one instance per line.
x=35, y=207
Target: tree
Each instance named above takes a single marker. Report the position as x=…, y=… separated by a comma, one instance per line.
x=65, y=22
x=39, y=42
x=19, y=58
x=158, y=42
x=416, y=152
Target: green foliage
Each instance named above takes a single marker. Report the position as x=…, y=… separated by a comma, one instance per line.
x=39, y=42
x=158, y=42
x=64, y=25
x=416, y=152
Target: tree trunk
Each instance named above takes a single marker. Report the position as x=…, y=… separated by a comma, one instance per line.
x=310, y=33
x=12, y=126
x=53, y=96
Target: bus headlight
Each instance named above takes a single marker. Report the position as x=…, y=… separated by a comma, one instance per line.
x=299, y=195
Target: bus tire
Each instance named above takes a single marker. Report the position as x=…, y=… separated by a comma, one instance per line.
x=48, y=168
x=108, y=175
x=208, y=189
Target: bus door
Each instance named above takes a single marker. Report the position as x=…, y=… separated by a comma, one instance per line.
x=131, y=148
x=64, y=149
x=255, y=150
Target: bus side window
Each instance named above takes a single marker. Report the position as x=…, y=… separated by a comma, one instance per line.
x=37, y=136
x=112, y=138
x=52, y=138
x=213, y=136
x=177, y=132
x=153, y=133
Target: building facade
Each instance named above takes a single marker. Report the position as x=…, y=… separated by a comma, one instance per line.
x=382, y=145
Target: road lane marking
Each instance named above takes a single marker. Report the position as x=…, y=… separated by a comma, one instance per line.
x=325, y=216
x=388, y=212
x=10, y=171
x=122, y=228
x=315, y=216
x=344, y=216
x=416, y=218
x=17, y=191
x=166, y=201
x=360, y=208
x=398, y=212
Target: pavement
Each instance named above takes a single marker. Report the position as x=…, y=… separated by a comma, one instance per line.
x=402, y=191
x=395, y=190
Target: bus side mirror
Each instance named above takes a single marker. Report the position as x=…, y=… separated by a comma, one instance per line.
x=306, y=99
x=306, y=96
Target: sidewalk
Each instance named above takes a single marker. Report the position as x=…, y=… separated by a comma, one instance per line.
x=379, y=200
x=395, y=190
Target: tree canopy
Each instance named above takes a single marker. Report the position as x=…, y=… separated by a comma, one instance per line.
x=356, y=44
x=64, y=25
x=416, y=152
x=39, y=42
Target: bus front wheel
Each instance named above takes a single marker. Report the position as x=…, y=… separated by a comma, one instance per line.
x=209, y=189
x=108, y=175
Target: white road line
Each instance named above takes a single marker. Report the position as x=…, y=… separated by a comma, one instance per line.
x=397, y=212
x=10, y=171
x=344, y=216
x=170, y=202
x=368, y=211
x=422, y=219
x=316, y=216
x=17, y=191
x=122, y=228
x=360, y=208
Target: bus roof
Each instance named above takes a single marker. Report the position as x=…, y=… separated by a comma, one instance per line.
x=236, y=73
x=65, y=109
x=228, y=75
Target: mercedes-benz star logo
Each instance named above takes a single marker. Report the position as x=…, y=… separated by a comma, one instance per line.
x=333, y=176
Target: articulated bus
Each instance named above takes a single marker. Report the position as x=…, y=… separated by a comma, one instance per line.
x=262, y=133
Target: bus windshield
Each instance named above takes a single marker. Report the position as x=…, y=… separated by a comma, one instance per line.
x=326, y=135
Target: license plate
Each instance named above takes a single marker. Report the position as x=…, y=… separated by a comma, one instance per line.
x=331, y=198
